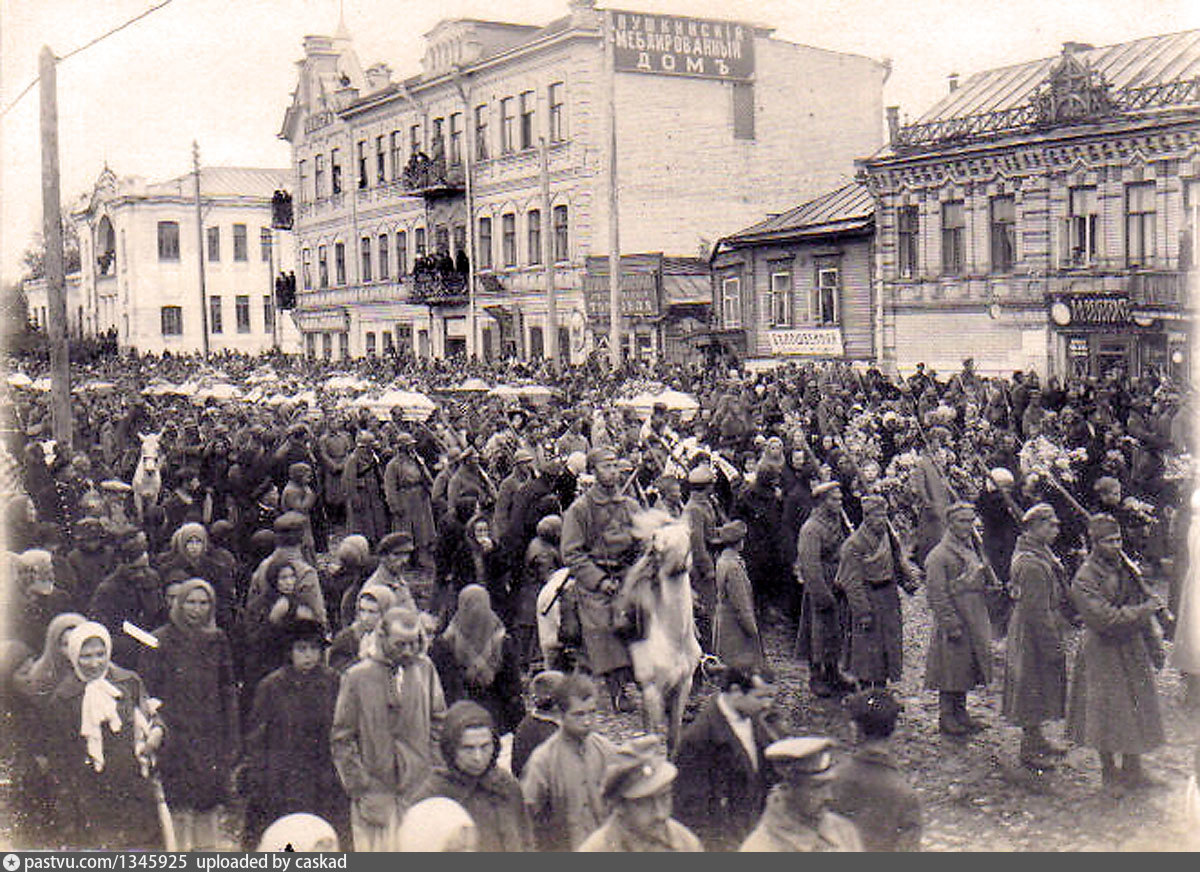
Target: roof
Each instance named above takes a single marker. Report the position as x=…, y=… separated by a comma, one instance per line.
x=849, y=208
x=226, y=181
x=1152, y=60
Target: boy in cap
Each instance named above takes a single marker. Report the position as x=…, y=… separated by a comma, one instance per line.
x=540, y=722
x=797, y=816
x=395, y=551
x=638, y=783
x=869, y=788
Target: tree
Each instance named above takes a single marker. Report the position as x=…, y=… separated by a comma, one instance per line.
x=34, y=258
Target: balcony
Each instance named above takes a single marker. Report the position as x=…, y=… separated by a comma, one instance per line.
x=437, y=288
x=376, y=292
x=1159, y=288
x=432, y=178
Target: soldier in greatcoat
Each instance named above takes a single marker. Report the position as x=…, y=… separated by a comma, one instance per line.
x=868, y=572
x=598, y=545
x=960, y=656
x=1113, y=705
x=1035, y=677
x=823, y=608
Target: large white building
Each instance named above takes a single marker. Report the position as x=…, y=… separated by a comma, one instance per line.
x=500, y=146
x=140, y=273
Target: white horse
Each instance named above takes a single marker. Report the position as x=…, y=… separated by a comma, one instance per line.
x=667, y=653
x=147, y=478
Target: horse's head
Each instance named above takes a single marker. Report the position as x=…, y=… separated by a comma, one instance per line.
x=150, y=450
x=668, y=539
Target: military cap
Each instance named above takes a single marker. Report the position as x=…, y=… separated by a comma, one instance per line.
x=1039, y=512
x=405, y=440
x=1002, y=476
x=600, y=455
x=637, y=770
x=114, y=486
x=962, y=507
x=701, y=475
x=401, y=541
x=523, y=455
x=824, y=487
x=1102, y=526
x=872, y=503
x=728, y=534
x=810, y=757
x=1106, y=483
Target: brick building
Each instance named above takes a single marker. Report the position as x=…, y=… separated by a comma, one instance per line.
x=716, y=124
x=1044, y=215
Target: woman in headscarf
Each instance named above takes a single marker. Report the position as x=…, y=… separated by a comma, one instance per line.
x=288, y=763
x=103, y=736
x=33, y=683
x=356, y=641
x=22, y=529
x=41, y=597
x=354, y=567
x=191, y=556
x=191, y=671
x=477, y=660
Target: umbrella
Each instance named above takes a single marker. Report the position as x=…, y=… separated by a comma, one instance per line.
x=473, y=384
x=219, y=391
x=97, y=386
x=346, y=383
x=539, y=394
x=415, y=406
x=507, y=392
x=266, y=375
x=676, y=401
x=20, y=380
x=42, y=384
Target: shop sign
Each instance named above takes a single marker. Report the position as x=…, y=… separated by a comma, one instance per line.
x=1091, y=309
x=674, y=45
x=639, y=296
x=816, y=342
x=1078, y=347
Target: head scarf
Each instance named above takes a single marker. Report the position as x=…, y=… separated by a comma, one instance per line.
x=181, y=536
x=48, y=670
x=368, y=645
x=177, y=617
x=354, y=549
x=460, y=717
x=432, y=824
x=99, y=694
x=476, y=636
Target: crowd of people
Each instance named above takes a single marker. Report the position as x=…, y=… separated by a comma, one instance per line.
x=310, y=623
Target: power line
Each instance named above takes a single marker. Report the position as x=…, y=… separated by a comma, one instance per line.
x=86, y=46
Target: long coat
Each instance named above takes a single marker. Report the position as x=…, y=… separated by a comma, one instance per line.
x=493, y=801
x=1113, y=705
x=502, y=698
x=406, y=486
x=1186, y=654
x=597, y=541
x=366, y=510
x=955, y=589
x=113, y=809
x=720, y=791
x=289, y=764
x=736, y=639
x=1035, y=677
x=867, y=573
x=192, y=673
x=822, y=611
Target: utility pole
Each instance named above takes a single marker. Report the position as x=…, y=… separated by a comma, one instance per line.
x=548, y=258
x=614, y=224
x=56, y=315
x=200, y=250
x=268, y=239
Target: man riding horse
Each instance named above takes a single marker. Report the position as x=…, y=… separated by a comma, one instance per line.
x=598, y=546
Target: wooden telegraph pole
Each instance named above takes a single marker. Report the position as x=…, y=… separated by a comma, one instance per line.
x=548, y=260
x=614, y=221
x=200, y=251
x=56, y=315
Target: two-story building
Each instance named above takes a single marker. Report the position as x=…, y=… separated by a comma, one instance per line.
x=443, y=212
x=140, y=262
x=1044, y=215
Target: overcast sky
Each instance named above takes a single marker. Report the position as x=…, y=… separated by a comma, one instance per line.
x=221, y=71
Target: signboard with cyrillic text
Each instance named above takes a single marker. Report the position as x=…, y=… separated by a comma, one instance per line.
x=814, y=342
x=674, y=45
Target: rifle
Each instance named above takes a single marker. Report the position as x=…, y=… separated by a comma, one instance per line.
x=1164, y=615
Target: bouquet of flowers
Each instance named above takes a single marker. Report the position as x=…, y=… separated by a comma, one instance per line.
x=1141, y=511
x=1040, y=455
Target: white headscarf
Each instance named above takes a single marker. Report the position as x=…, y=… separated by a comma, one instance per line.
x=99, y=694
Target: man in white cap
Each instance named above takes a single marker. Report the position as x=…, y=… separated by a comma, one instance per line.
x=823, y=608
x=797, y=817
x=638, y=783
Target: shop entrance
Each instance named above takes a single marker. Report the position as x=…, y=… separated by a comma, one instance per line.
x=1113, y=352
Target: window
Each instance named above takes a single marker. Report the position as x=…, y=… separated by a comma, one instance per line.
x=484, y=258
x=1003, y=233
x=556, y=100
x=362, y=164
x=1082, y=221
x=731, y=301
x=1189, y=236
x=481, y=125
x=395, y=155
x=344, y=345
x=401, y=253
x=506, y=125
x=460, y=239
x=306, y=268
x=380, y=161
x=953, y=230
x=168, y=240
x=264, y=244
x=370, y=343
x=743, y=110
x=214, y=244
x=436, y=143
x=240, y=252
x=419, y=241
x=215, y=322
x=455, y=139
x=825, y=295
x=907, y=239
x=172, y=321
x=303, y=182
x=327, y=345
x=319, y=176
x=508, y=238
x=383, y=257
x=339, y=262
x=441, y=237
x=364, y=249
x=1140, y=242
x=268, y=314
x=310, y=344
x=414, y=139
x=561, y=248
x=781, y=298
x=335, y=171
x=534, y=221
x=241, y=304
x=528, y=103
x=389, y=343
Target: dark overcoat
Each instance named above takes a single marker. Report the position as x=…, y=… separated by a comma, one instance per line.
x=823, y=610
x=1035, y=675
x=867, y=574
x=870, y=790
x=955, y=589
